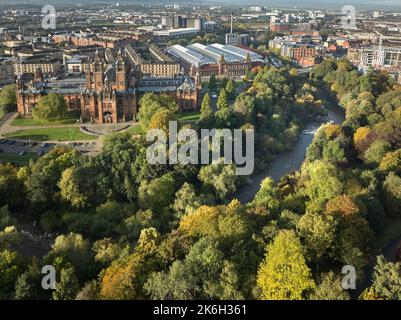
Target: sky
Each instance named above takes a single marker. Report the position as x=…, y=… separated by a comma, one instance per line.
x=362, y=4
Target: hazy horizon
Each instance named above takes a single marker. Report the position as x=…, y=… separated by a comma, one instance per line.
x=334, y=4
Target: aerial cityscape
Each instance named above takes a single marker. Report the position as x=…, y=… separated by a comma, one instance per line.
x=212, y=150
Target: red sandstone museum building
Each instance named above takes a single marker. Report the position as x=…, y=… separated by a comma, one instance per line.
x=109, y=91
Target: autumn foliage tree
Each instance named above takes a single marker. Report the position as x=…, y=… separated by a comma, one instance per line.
x=284, y=275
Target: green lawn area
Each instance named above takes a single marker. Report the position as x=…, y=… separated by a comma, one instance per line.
x=16, y=159
x=2, y=113
x=134, y=130
x=21, y=122
x=61, y=134
x=189, y=116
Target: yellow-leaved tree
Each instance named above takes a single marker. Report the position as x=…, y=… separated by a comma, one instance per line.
x=284, y=275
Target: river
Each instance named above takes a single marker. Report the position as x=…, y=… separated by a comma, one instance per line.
x=289, y=161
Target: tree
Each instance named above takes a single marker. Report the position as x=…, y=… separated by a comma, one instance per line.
x=157, y=193
x=318, y=232
x=69, y=186
x=361, y=138
x=124, y=278
x=244, y=107
x=67, y=287
x=329, y=288
x=284, y=275
x=222, y=100
x=11, y=187
x=229, y=284
x=74, y=248
x=206, y=108
x=106, y=251
x=50, y=107
x=45, y=173
x=90, y=291
x=392, y=195
x=8, y=99
x=212, y=83
x=223, y=223
x=150, y=103
x=387, y=279
x=161, y=120
x=172, y=284
x=375, y=153
x=28, y=285
x=333, y=152
x=267, y=195
x=230, y=90
x=323, y=181
x=186, y=200
x=391, y=162
x=195, y=277
x=10, y=269
x=220, y=177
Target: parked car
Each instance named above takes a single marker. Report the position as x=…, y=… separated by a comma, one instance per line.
x=22, y=153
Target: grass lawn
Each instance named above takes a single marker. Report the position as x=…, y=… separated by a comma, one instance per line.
x=2, y=113
x=134, y=130
x=16, y=159
x=61, y=134
x=189, y=116
x=21, y=122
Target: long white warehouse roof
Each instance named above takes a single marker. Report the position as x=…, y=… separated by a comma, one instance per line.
x=199, y=54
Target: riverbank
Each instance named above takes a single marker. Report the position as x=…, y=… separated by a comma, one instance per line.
x=289, y=161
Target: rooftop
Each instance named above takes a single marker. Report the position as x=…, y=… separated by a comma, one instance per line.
x=199, y=54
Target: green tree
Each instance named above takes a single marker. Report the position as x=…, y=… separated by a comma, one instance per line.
x=10, y=269
x=284, y=275
x=11, y=186
x=150, y=103
x=222, y=100
x=387, y=279
x=319, y=234
x=67, y=287
x=392, y=195
x=8, y=99
x=28, y=285
x=50, y=107
x=375, y=153
x=323, y=181
x=206, y=108
x=157, y=193
x=45, y=173
x=212, y=83
x=186, y=200
x=230, y=90
x=221, y=178
x=330, y=288
x=74, y=248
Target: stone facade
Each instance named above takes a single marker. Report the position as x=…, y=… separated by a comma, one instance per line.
x=108, y=93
